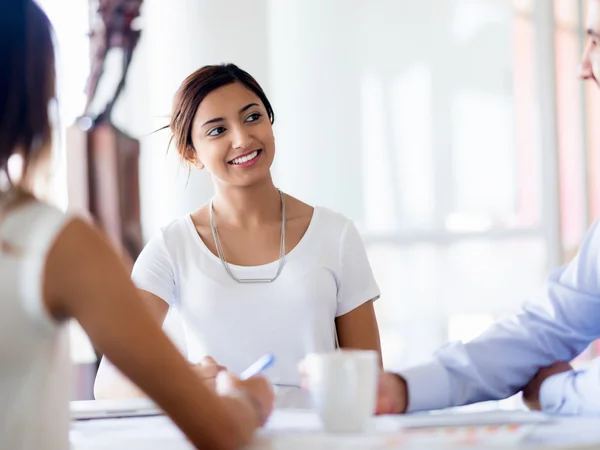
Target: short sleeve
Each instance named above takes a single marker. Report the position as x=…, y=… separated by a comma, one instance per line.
x=153, y=270
x=357, y=284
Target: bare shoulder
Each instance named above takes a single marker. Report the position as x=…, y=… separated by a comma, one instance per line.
x=81, y=247
x=78, y=233
x=297, y=209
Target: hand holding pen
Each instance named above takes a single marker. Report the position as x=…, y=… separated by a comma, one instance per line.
x=256, y=390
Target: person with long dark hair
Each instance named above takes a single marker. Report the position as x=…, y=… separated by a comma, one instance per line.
x=54, y=266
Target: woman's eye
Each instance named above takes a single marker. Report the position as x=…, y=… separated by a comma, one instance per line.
x=253, y=117
x=216, y=131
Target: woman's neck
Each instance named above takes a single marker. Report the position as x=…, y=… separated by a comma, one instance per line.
x=248, y=206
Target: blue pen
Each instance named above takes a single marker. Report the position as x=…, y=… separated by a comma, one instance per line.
x=260, y=365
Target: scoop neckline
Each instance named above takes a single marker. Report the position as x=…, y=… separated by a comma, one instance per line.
x=297, y=248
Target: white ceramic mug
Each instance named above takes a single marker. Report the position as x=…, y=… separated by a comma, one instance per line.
x=343, y=388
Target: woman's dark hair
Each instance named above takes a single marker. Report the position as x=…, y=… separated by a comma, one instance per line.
x=191, y=93
x=27, y=80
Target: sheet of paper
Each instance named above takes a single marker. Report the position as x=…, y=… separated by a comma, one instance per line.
x=496, y=437
x=131, y=407
x=568, y=431
x=301, y=428
x=130, y=433
x=470, y=419
x=307, y=420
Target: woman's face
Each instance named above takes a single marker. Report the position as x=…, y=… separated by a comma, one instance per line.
x=590, y=63
x=233, y=137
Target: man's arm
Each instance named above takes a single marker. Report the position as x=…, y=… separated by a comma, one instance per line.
x=505, y=358
x=565, y=391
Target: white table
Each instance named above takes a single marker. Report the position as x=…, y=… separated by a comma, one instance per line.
x=294, y=429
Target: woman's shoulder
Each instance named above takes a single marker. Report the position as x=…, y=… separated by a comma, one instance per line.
x=33, y=217
x=31, y=207
x=324, y=221
x=175, y=234
x=296, y=207
x=331, y=220
x=176, y=229
x=180, y=234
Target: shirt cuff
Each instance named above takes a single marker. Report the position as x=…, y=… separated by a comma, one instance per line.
x=552, y=392
x=428, y=387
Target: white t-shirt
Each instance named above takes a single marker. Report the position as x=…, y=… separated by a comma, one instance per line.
x=34, y=355
x=325, y=276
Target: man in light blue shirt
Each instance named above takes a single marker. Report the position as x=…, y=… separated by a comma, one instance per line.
x=527, y=351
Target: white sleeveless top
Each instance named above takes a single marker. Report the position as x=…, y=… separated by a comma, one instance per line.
x=34, y=355
x=325, y=276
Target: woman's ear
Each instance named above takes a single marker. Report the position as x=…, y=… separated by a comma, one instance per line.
x=192, y=158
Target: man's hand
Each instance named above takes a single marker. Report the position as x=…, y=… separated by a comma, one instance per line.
x=392, y=394
x=531, y=392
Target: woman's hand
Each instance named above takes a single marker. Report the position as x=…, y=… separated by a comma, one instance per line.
x=250, y=401
x=208, y=369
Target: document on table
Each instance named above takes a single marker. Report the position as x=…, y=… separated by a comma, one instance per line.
x=471, y=419
x=306, y=420
x=131, y=433
x=301, y=427
x=568, y=431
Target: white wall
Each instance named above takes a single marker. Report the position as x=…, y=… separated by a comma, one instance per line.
x=315, y=89
x=371, y=101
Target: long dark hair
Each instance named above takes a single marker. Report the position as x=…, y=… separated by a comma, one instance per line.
x=27, y=81
x=191, y=93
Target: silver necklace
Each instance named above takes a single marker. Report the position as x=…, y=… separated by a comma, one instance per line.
x=215, y=234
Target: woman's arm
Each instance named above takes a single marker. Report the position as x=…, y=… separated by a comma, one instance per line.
x=358, y=329
x=355, y=316
x=86, y=280
x=110, y=383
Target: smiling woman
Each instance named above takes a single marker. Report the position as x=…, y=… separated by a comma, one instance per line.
x=255, y=270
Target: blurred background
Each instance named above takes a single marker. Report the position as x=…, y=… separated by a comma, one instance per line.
x=454, y=133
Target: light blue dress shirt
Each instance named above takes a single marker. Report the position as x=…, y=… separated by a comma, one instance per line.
x=556, y=327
